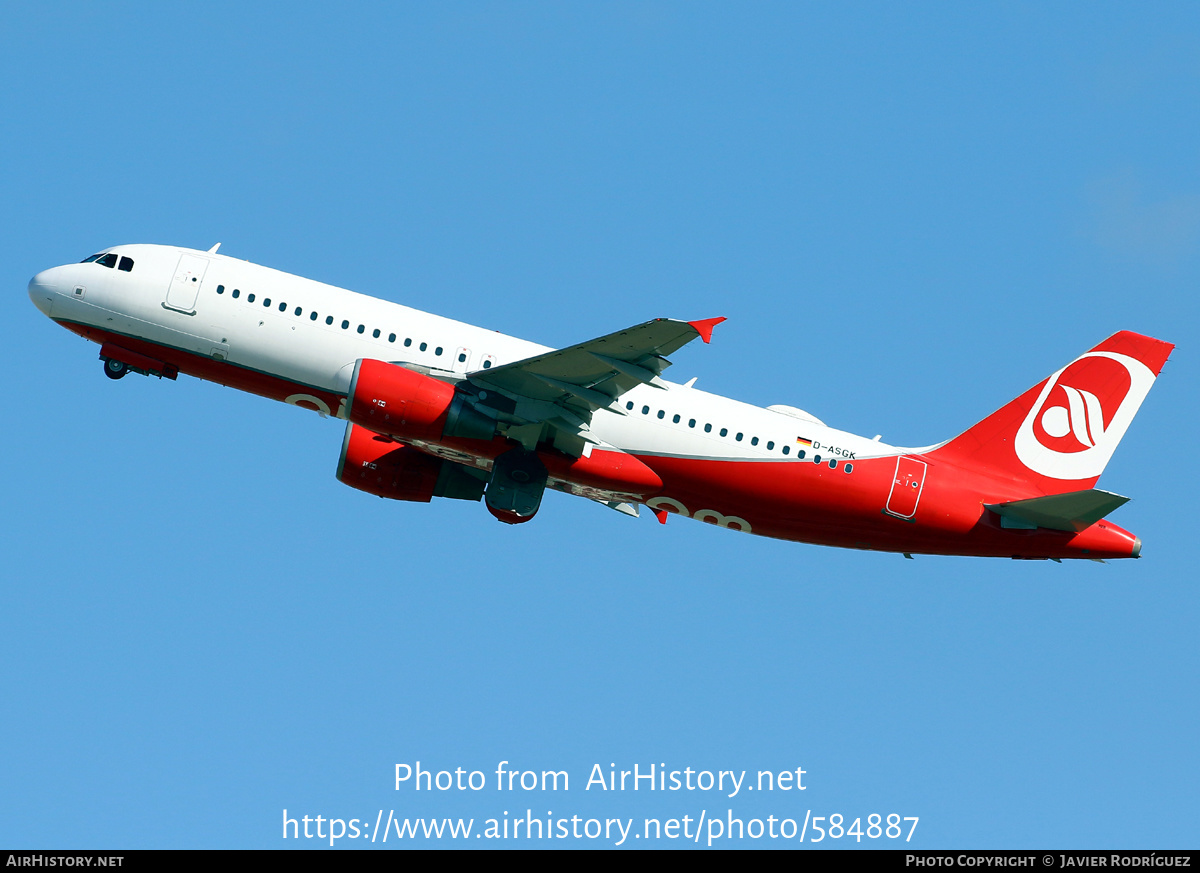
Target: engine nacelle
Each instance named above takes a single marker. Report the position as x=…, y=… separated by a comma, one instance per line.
x=387, y=398
x=383, y=467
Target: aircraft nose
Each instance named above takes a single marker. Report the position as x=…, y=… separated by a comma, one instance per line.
x=43, y=288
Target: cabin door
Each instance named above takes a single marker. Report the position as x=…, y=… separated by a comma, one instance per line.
x=907, y=485
x=185, y=284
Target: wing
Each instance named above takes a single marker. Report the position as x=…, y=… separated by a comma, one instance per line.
x=563, y=388
x=591, y=375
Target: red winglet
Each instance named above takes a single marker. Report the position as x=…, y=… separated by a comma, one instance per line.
x=705, y=327
x=662, y=515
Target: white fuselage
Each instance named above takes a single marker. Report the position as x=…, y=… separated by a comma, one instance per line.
x=310, y=334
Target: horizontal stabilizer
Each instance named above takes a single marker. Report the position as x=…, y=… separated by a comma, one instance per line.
x=1070, y=511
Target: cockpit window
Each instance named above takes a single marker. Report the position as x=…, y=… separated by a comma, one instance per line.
x=109, y=259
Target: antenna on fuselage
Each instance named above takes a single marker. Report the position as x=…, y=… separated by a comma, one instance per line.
x=213, y=250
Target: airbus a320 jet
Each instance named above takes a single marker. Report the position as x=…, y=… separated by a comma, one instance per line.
x=439, y=408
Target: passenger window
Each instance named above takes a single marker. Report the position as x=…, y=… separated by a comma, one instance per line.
x=645, y=410
x=375, y=333
x=833, y=463
x=724, y=431
x=424, y=346
x=708, y=428
x=438, y=350
x=661, y=413
x=329, y=319
x=250, y=297
x=738, y=437
x=676, y=418
x=770, y=445
x=629, y=405
x=691, y=422
x=298, y=311
x=109, y=260
x=800, y=454
x=345, y=324
x=462, y=358
x=787, y=449
x=236, y=294
x=849, y=468
x=267, y=301
x=312, y=316
x=816, y=459
x=487, y=364
x=391, y=337
x=753, y=441
x=361, y=328
x=407, y=343
x=220, y=289
x=283, y=308
x=126, y=264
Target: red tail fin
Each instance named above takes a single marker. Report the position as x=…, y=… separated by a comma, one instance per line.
x=1060, y=433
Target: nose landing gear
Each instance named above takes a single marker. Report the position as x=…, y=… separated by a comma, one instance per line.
x=114, y=369
x=118, y=361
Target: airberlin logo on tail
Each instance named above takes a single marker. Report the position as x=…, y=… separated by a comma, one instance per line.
x=1081, y=414
x=1082, y=417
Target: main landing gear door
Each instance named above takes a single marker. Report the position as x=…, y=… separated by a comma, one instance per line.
x=185, y=285
x=515, y=489
x=907, y=486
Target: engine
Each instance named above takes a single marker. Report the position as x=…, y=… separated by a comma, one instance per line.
x=381, y=466
x=390, y=399
x=388, y=402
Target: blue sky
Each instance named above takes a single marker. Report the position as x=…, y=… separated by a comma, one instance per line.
x=909, y=215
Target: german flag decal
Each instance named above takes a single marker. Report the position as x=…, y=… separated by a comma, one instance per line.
x=802, y=441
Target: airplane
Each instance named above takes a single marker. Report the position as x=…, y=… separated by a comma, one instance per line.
x=440, y=408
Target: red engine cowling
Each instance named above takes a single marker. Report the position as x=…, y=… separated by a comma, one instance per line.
x=390, y=399
x=383, y=467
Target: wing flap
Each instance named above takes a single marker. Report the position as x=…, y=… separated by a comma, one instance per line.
x=590, y=396
x=633, y=371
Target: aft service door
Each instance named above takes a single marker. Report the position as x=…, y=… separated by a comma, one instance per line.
x=906, y=487
x=185, y=285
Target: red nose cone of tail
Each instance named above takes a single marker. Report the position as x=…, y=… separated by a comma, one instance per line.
x=1105, y=540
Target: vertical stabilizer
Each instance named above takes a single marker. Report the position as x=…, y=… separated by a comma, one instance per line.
x=1060, y=434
